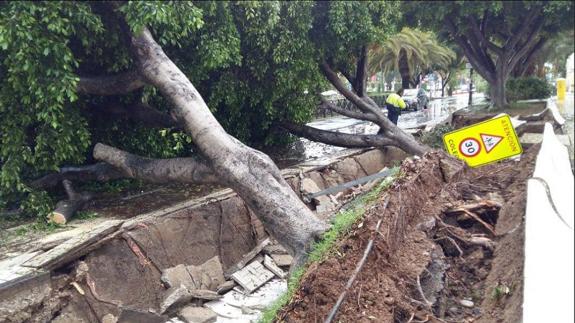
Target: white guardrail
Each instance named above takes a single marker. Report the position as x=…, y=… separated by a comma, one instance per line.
x=549, y=236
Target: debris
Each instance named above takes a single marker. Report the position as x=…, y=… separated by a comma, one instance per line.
x=271, y=265
x=252, y=276
x=175, y=296
x=247, y=258
x=131, y=316
x=282, y=260
x=190, y=314
x=205, y=294
x=177, y=276
x=78, y=288
x=466, y=303
x=109, y=318
x=208, y=275
x=226, y=286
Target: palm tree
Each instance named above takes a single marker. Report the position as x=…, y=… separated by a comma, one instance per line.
x=412, y=52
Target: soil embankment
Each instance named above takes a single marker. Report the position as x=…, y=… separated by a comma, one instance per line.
x=450, y=249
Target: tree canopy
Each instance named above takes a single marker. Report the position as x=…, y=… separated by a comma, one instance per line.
x=70, y=81
x=496, y=36
x=412, y=52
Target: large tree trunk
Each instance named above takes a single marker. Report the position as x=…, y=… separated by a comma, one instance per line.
x=497, y=91
x=404, y=69
x=251, y=174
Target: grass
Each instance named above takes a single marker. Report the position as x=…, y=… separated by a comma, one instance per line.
x=341, y=225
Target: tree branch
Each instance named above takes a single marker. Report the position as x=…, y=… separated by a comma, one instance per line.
x=354, y=98
x=349, y=113
x=141, y=112
x=483, y=70
x=184, y=170
x=111, y=84
x=523, y=29
x=529, y=43
x=483, y=41
x=526, y=62
x=101, y=172
x=338, y=138
x=361, y=73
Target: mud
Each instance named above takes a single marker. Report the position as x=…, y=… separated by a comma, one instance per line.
x=427, y=264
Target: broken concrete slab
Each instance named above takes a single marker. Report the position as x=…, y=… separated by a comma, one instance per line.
x=271, y=265
x=282, y=260
x=252, y=276
x=247, y=258
x=175, y=296
x=226, y=287
x=204, y=294
x=176, y=276
x=208, y=275
x=349, y=169
x=191, y=314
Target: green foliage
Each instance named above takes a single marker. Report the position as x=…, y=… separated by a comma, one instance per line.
x=434, y=138
x=255, y=63
x=341, y=226
x=424, y=52
x=527, y=88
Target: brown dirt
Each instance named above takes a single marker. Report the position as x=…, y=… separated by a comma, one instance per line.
x=417, y=240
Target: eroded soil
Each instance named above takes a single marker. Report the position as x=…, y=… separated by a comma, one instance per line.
x=431, y=262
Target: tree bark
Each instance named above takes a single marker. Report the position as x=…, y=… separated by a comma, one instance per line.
x=185, y=170
x=387, y=129
x=101, y=172
x=497, y=90
x=67, y=208
x=404, y=71
x=251, y=174
x=111, y=84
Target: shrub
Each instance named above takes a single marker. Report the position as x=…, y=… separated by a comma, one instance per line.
x=527, y=88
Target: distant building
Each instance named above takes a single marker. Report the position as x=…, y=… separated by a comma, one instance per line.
x=569, y=72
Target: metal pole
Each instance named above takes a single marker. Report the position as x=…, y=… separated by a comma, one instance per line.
x=470, y=86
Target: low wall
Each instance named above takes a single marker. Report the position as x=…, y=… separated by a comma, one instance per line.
x=118, y=265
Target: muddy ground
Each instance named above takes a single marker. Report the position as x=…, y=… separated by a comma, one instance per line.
x=431, y=261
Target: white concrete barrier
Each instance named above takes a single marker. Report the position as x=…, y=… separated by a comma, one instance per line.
x=549, y=236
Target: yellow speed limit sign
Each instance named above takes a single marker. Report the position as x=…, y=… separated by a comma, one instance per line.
x=484, y=142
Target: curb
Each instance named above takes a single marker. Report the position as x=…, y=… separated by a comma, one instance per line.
x=548, y=294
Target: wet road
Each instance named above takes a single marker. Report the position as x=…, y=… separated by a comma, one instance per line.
x=437, y=110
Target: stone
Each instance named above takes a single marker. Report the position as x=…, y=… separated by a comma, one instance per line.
x=309, y=186
x=349, y=169
x=466, y=303
x=204, y=294
x=109, y=318
x=175, y=296
x=208, y=275
x=282, y=260
x=226, y=287
x=271, y=265
x=371, y=161
x=318, y=180
x=177, y=276
x=190, y=314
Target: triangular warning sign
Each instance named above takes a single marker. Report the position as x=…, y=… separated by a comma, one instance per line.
x=490, y=141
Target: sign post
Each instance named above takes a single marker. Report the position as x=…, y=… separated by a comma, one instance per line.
x=485, y=142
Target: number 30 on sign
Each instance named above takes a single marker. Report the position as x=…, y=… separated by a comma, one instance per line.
x=484, y=142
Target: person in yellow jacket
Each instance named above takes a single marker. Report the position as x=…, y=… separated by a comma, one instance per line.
x=394, y=104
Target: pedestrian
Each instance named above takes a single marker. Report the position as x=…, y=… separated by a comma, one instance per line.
x=422, y=98
x=394, y=104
